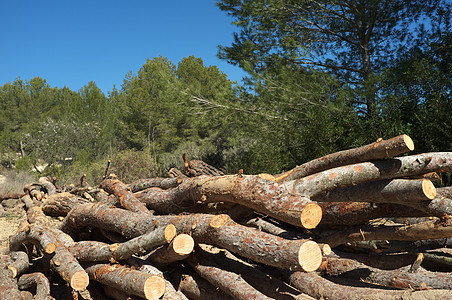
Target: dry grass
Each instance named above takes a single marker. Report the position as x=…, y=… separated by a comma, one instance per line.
x=12, y=181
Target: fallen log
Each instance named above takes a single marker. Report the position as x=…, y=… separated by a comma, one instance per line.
x=163, y=183
x=8, y=286
x=264, y=196
x=11, y=196
x=61, y=203
x=379, y=150
x=196, y=168
x=37, y=280
x=399, y=278
x=179, y=249
x=219, y=230
x=126, y=198
x=19, y=262
x=128, y=280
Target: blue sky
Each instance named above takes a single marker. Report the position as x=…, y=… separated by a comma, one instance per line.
x=70, y=43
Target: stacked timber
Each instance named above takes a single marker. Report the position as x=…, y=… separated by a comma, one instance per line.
x=363, y=223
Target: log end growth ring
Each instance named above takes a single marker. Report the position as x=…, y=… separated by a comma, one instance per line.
x=309, y=256
x=429, y=189
x=80, y=280
x=170, y=232
x=311, y=216
x=408, y=142
x=183, y=244
x=154, y=287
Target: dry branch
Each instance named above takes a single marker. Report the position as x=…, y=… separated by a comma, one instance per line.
x=125, y=196
x=379, y=150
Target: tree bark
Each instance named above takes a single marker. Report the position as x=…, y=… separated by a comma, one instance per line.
x=218, y=230
x=61, y=203
x=37, y=280
x=8, y=286
x=196, y=168
x=19, y=262
x=379, y=150
x=128, y=280
x=163, y=183
x=264, y=196
x=125, y=196
x=179, y=249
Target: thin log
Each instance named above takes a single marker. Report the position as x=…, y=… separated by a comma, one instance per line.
x=37, y=280
x=399, y=278
x=195, y=287
x=125, y=196
x=179, y=248
x=229, y=282
x=421, y=231
x=163, y=183
x=173, y=172
x=371, y=171
x=61, y=203
x=399, y=191
x=321, y=288
x=11, y=196
x=48, y=186
x=196, y=168
x=219, y=230
x=378, y=150
x=267, y=197
x=35, y=235
x=270, y=227
x=128, y=280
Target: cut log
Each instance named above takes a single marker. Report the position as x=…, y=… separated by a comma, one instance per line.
x=173, y=172
x=8, y=286
x=179, y=249
x=379, y=150
x=420, y=231
x=35, y=215
x=125, y=196
x=197, y=288
x=219, y=230
x=61, y=203
x=321, y=288
x=229, y=282
x=399, y=278
x=35, y=235
x=372, y=171
x=19, y=263
x=196, y=168
x=37, y=280
x=254, y=192
x=163, y=183
x=128, y=280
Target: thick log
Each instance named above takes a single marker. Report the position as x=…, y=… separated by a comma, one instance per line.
x=179, y=248
x=125, y=196
x=267, y=197
x=8, y=286
x=37, y=280
x=128, y=280
x=399, y=278
x=19, y=262
x=35, y=215
x=219, y=230
x=62, y=261
x=445, y=192
x=229, y=282
x=195, y=287
x=163, y=183
x=421, y=231
x=61, y=203
x=379, y=150
x=399, y=191
x=371, y=171
x=321, y=288
x=91, y=251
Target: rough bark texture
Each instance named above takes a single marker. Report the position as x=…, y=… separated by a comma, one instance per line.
x=399, y=278
x=218, y=230
x=37, y=280
x=321, y=288
x=163, y=183
x=19, y=262
x=8, y=286
x=372, y=171
x=254, y=192
x=62, y=203
x=196, y=168
x=125, y=196
x=420, y=231
x=379, y=150
x=128, y=280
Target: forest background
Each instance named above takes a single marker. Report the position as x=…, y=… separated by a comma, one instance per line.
x=322, y=76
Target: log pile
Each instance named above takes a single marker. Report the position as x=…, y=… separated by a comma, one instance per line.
x=364, y=223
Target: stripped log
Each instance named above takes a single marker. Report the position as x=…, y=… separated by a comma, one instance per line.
x=62, y=261
x=379, y=150
x=399, y=278
x=179, y=248
x=421, y=231
x=267, y=197
x=61, y=203
x=37, y=280
x=163, y=183
x=371, y=171
x=219, y=230
x=321, y=288
x=125, y=196
x=128, y=280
